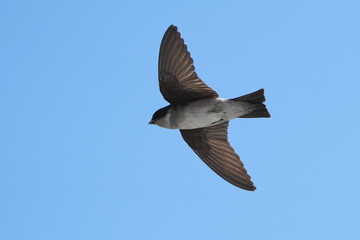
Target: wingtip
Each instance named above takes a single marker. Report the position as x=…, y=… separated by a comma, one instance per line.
x=245, y=185
x=172, y=26
x=248, y=188
x=171, y=30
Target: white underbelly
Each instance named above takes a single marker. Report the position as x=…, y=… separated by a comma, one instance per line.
x=199, y=120
x=205, y=113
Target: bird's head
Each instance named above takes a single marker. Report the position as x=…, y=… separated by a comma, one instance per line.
x=160, y=117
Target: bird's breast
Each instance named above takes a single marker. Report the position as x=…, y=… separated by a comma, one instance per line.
x=201, y=113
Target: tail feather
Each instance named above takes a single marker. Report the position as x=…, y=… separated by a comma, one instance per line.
x=257, y=98
x=261, y=112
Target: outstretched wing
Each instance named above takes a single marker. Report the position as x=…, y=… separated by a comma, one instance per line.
x=212, y=146
x=178, y=80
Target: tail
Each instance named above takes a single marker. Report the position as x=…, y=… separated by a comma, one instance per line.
x=255, y=98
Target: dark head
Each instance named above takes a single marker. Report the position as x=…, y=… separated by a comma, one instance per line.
x=159, y=114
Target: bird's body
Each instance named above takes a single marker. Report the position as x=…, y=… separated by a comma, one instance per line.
x=204, y=113
x=199, y=113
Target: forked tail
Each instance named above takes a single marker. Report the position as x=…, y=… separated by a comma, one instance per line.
x=255, y=98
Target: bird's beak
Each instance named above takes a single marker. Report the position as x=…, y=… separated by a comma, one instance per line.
x=152, y=122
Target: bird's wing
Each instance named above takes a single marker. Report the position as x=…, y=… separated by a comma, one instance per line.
x=178, y=80
x=212, y=146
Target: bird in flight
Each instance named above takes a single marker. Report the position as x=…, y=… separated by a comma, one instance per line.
x=199, y=113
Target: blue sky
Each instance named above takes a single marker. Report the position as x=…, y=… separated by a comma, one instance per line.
x=78, y=84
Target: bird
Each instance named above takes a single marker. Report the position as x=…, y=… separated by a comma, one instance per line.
x=199, y=113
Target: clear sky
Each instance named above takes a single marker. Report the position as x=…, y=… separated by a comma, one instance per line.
x=78, y=85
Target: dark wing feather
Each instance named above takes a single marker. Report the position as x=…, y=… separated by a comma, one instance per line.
x=178, y=80
x=212, y=146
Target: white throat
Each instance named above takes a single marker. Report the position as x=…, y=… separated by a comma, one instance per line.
x=165, y=121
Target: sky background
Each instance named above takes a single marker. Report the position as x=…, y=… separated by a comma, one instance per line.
x=78, y=85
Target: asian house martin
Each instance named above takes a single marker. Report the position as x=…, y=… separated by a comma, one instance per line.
x=199, y=113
